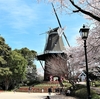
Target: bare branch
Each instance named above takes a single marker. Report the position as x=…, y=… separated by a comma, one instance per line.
x=85, y=12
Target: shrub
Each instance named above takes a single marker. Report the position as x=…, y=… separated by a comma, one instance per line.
x=66, y=84
x=82, y=94
x=95, y=96
x=79, y=86
x=97, y=83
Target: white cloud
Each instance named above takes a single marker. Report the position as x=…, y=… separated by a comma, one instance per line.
x=17, y=13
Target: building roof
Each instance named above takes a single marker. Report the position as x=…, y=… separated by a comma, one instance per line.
x=45, y=55
x=54, y=41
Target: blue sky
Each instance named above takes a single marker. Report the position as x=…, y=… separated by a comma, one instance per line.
x=22, y=22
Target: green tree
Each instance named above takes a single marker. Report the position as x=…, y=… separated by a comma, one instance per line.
x=5, y=51
x=30, y=56
x=5, y=73
x=17, y=65
x=5, y=76
x=12, y=66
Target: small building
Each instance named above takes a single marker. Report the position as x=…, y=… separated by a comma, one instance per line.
x=82, y=77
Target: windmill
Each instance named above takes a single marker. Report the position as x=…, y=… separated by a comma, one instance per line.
x=53, y=47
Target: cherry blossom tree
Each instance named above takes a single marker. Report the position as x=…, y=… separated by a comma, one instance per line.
x=57, y=65
x=87, y=7
x=90, y=10
x=93, y=50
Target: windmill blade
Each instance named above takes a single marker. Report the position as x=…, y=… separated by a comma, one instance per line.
x=42, y=33
x=41, y=65
x=60, y=24
x=46, y=32
x=66, y=39
x=56, y=15
x=60, y=31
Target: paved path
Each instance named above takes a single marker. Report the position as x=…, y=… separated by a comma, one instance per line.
x=97, y=89
x=22, y=95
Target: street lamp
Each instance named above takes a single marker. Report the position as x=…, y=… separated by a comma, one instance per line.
x=84, y=34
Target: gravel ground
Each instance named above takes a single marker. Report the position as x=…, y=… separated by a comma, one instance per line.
x=22, y=95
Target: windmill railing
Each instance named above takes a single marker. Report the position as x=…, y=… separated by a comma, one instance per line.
x=47, y=51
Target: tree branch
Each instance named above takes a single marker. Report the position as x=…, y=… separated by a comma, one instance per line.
x=85, y=12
